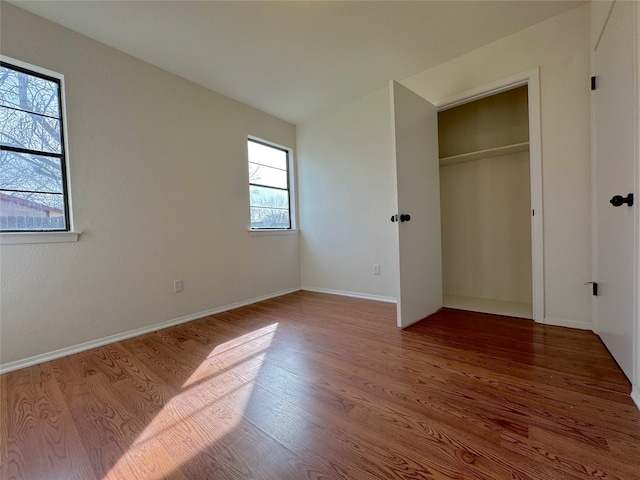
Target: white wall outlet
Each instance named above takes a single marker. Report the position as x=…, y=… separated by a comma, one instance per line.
x=376, y=269
x=177, y=286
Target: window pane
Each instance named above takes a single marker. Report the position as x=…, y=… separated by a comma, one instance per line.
x=269, y=186
x=21, y=171
x=268, y=156
x=262, y=217
x=32, y=186
x=269, y=197
x=29, y=93
x=31, y=211
x=27, y=130
x=272, y=177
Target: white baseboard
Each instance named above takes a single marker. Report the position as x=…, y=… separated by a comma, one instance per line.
x=635, y=396
x=344, y=293
x=63, y=352
x=561, y=322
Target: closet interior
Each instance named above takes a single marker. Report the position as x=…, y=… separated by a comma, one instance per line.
x=485, y=194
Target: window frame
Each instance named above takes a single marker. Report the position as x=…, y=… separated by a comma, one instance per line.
x=292, y=229
x=67, y=234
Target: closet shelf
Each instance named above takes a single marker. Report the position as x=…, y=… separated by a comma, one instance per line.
x=491, y=152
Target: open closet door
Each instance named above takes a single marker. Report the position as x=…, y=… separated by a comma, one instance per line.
x=414, y=124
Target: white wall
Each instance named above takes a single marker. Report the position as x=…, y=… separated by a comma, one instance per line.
x=159, y=185
x=486, y=228
x=346, y=199
x=354, y=138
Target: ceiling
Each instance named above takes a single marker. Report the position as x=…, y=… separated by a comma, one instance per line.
x=294, y=59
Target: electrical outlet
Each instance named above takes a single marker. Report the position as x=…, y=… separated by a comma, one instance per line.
x=177, y=286
x=376, y=269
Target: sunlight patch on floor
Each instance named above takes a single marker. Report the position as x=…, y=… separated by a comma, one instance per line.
x=196, y=416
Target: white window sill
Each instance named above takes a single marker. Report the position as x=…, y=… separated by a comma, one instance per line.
x=260, y=233
x=15, y=238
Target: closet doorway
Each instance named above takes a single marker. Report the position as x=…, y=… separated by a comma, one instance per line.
x=490, y=184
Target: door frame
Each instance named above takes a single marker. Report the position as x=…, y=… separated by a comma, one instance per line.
x=531, y=78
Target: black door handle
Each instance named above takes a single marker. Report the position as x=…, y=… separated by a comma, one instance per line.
x=405, y=217
x=618, y=200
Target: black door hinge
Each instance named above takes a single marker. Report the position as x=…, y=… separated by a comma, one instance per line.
x=593, y=83
x=594, y=288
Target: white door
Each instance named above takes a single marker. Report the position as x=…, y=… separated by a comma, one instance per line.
x=613, y=101
x=415, y=151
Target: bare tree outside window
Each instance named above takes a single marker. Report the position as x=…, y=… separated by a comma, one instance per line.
x=269, y=186
x=32, y=158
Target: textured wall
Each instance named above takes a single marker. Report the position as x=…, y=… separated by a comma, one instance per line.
x=486, y=228
x=159, y=186
x=560, y=47
x=347, y=198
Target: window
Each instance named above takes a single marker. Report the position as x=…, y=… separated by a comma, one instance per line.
x=33, y=180
x=269, y=186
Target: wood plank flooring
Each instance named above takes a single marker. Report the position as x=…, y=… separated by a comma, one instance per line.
x=313, y=386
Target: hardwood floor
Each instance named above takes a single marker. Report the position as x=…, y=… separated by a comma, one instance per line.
x=313, y=386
